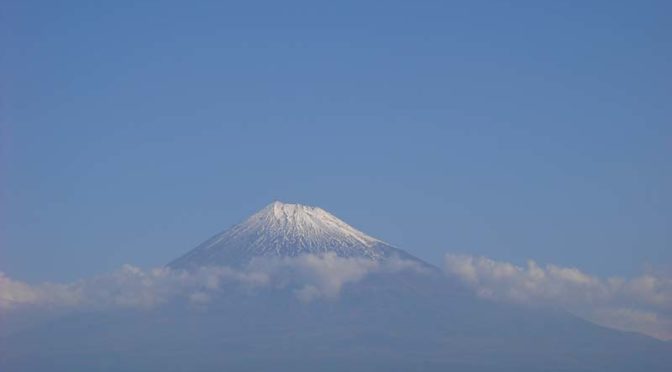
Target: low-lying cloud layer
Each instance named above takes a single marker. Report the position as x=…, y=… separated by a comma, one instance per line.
x=311, y=277
x=642, y=304
x=128, y=287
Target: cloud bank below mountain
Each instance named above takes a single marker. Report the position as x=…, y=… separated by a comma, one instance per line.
x=642, y=304
x=310, y=277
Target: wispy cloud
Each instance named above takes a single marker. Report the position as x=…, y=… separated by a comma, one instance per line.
x=642, y=304
x=323, y=276
x=317, y=276
x=310, y=277
x=128, y=287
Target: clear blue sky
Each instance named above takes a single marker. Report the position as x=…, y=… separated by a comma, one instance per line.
x=132, y=131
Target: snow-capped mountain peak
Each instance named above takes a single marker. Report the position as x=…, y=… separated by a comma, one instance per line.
x=302, y=221
x=286, y=230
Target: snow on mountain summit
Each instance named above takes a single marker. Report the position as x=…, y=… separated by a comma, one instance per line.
x=286, y=230
x=311, y=224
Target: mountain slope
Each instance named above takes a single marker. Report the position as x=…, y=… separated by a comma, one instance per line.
x=287, y=230
x=384, y=323
x=403, y=320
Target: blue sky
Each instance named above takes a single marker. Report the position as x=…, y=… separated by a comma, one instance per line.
x=516, y=130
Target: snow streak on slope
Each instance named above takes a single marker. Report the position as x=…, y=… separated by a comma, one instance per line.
x=287, y=230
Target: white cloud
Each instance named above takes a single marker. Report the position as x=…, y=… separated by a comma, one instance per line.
x=642, y=304
x=311, y=277
x=323, y=276
x=128, y=287
x=15, y=293
x=315, y=276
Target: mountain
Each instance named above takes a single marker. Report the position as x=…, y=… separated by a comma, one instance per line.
x=386, y=320
x=287, y=230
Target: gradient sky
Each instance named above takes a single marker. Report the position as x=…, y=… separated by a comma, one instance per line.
x=132, y=131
